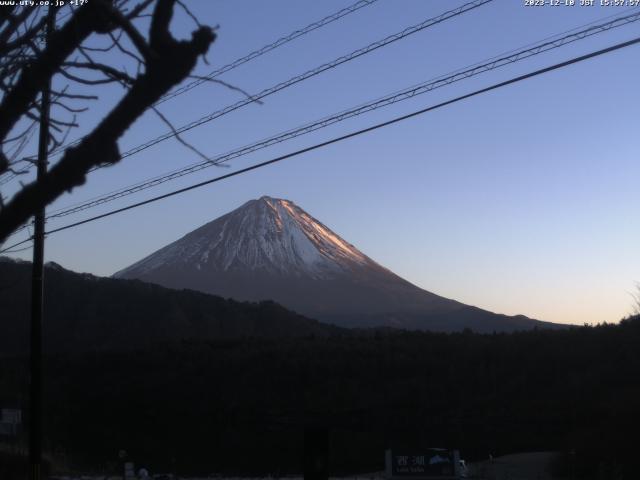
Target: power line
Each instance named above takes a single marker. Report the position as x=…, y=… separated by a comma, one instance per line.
x=408, y=93
x=316, y=71
x=241, y=61
x=304, y=76
x=290, y=82
x=10, y=248
x=267, y=48
x=18, y=250
x=8, y=178
x=312, y=73
x=495, y=86
x=460, y=74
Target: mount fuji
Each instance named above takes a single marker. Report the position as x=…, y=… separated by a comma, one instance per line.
x=272, y=249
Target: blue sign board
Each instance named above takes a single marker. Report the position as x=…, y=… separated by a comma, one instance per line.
x=423, y=464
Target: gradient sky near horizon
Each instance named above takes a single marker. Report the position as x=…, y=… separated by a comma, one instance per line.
x=523, y=200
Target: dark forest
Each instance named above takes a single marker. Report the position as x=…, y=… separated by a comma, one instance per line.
x=212, y=406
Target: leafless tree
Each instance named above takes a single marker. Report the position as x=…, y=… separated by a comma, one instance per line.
x=636, y=301
x=86, y=51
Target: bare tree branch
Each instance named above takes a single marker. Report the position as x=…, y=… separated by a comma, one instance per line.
x=188, y=12
x=34, y=75
x=132, y=32
x=138, y=9
x=110, y=72
x=179, y=137
x=229, y=86
x=167, y=63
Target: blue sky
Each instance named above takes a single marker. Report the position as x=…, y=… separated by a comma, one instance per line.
x=522, y=200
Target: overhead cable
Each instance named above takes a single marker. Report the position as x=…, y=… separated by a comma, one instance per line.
x=267, y=48
x=242, y=60
x=296, y=153
x=390, y=99
x=301, y=77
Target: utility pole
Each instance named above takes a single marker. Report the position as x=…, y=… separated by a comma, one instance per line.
x=35, y=359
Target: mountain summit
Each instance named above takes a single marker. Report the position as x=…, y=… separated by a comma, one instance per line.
x=272, y=249
x=271, y=236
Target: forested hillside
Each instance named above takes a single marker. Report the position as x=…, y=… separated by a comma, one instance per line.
x=85, y=312
x=241, y=405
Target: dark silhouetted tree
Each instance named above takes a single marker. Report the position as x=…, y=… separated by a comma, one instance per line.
x=27, y=64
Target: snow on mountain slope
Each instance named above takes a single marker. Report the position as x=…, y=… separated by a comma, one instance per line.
x=268, y=234
x=271, y=249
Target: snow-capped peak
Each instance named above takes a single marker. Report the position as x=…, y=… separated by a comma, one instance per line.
x=268, y=234
x=270, y=248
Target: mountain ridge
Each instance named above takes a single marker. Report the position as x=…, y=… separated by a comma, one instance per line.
x=85, y=312
x=270, y=248
x=270, y=218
